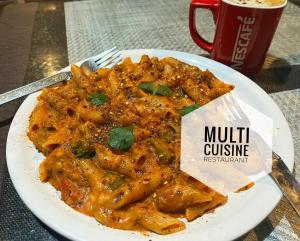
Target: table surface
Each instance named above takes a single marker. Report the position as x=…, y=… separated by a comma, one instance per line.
x=38, y=38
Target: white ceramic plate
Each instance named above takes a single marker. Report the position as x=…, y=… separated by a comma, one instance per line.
x=242, y=212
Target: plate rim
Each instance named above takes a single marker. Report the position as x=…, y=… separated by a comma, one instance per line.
x=164, y=52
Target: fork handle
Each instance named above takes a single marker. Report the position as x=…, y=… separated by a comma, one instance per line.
x=33, y=87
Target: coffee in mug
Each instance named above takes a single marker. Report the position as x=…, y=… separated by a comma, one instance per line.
x=244, y=31
x=259, y=3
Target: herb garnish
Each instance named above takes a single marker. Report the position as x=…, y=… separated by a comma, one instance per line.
x=98, y=98
x=82, y=153
x=161, y=150
x=187, y=109
x=151, y=88
x=121, y=138
x=148, y=87
x=119, y=180
x=163, y=90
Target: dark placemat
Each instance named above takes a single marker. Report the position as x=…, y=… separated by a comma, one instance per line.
x=32, y=45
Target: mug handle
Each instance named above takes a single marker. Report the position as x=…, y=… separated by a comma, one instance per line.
x=213, y=6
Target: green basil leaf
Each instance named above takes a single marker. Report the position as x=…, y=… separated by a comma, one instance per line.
x=163, y=90
x=121, y=138
x=98, y=98
x=187, y=109
x=147, y=87
x=150, y=87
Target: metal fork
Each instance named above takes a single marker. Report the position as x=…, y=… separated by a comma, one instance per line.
x=105, y=59
x=280, y=172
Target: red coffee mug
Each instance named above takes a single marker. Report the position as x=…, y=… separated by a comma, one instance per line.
x=243, y=33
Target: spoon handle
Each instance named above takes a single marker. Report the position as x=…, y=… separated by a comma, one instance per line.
x=286, y=182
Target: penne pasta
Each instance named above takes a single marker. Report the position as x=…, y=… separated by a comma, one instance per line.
x=112, y=143
x=199, y=209
x=158, y=222
x=110, y=161
x=135, y=190
x=177, y=197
